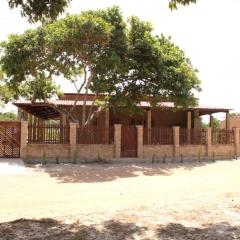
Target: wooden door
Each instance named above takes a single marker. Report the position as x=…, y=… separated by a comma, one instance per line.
x=129, y=141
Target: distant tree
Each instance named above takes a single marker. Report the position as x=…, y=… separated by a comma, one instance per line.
x=204, y=124
x=42, y=10
x=216, y=124
x=234, y=114
x=98, y=51
x=8, y=116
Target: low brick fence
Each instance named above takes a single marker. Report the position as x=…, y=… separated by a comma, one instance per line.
x=176, y=144
x=35, y=153
x=65, y=153
x=195, y=144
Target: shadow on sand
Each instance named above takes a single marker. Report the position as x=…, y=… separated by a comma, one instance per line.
x=29, y=229
x=90, y=173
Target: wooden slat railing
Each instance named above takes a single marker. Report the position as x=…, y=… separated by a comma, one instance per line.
x=49, y=134
x=161, y=136
x=222, y=136
x=192, y=136
x=95, y=135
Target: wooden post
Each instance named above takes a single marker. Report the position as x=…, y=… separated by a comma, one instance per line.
x=34, y=129
x=149, y=125
x=209, y=142
x=63, y=119
x=24, y=139
x=189, y=126
x=41, y=129
x=107, y=118
x=30, y=120
x=196, y=119
x=73, y=140
x=19, y=114
x=176, y=141
x=227, y=121
x=117, y=140
x=139, y=141
x=236, y=140
x=63, y=123
x=211, y=121
x=24, y=115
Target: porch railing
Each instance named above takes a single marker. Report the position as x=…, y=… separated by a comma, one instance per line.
x=159, y=136
x=95, y=135
x=49, y=134
x=192, y=136
x=222, y=136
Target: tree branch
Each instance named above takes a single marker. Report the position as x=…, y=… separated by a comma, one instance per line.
x=78, y=92
x=91, y=109
x=85, y=100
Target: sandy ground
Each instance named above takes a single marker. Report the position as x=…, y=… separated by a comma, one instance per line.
x=145, y=201
x=12, y=167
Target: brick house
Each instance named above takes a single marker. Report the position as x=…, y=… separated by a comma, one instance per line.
x=234, y=122
x=165, y=115
x=161, y=132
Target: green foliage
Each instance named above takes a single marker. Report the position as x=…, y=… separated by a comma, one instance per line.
x=154, y=68
x=75, y=43
x=234, y=114
x=27, y=70
x=106, y=54
x=42, y=10
x=5, y=93
x=8, y=116
x=216, y=124
x=204, y=125
x=173, y=4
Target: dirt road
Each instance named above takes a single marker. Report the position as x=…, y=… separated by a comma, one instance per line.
x=150, y=195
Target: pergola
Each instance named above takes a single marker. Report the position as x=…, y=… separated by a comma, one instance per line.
x=53, y=110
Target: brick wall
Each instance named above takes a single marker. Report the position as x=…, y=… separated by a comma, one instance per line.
x=87, y=152
x=234, y=122
x=94, y=151
x=158, y=150
x=34, y=153
x=223, y=150
x=187, y=150
x=193, y=150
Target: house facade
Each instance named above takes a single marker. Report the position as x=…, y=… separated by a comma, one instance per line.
x=163, y=132
x=234, y=122
x=164, y=115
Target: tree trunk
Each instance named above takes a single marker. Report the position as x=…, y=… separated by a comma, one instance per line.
x=85, y=101
x=69, y=113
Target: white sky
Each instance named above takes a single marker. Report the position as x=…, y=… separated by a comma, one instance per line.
x=208, y=32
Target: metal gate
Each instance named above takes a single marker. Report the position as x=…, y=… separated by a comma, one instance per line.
x=10, y=133
x=129, y=141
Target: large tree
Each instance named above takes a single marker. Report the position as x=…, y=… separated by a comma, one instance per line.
x=99, y=52
x=42, y=10
x=28, y=72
